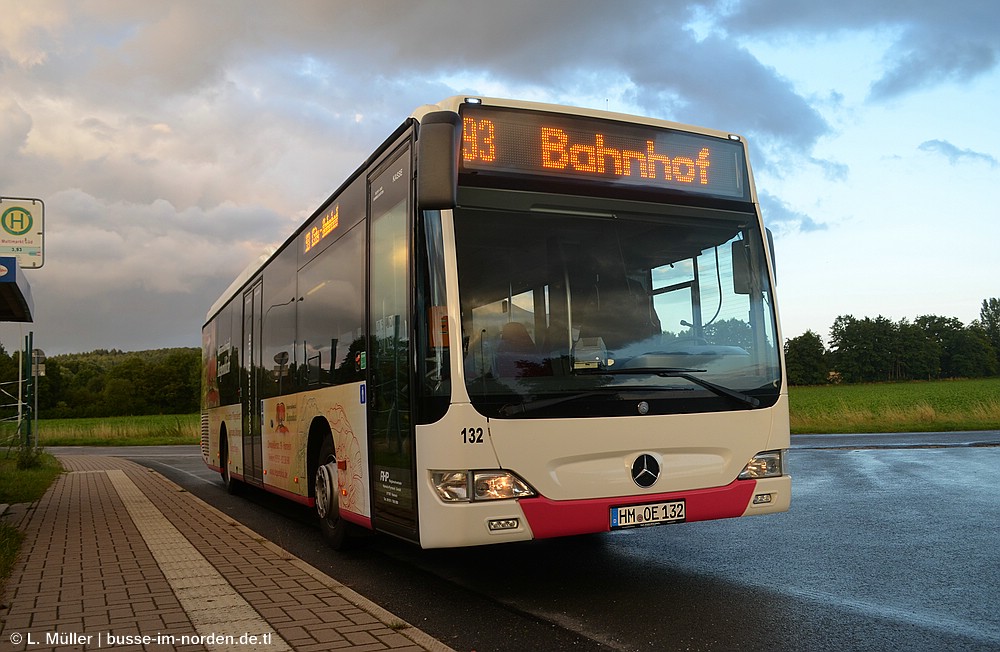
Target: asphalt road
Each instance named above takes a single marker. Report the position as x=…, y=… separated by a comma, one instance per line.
x=891, y=543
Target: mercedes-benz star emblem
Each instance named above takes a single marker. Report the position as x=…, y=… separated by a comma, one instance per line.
x=645, y=470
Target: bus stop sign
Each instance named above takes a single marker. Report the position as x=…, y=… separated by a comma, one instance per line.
x=22, y=231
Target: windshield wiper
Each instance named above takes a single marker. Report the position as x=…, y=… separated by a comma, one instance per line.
x=686, y=374
x=719, y=390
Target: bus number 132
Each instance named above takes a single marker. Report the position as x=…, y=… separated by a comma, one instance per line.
x=472, y=435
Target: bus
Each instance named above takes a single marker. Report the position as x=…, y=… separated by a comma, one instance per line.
x=513, y=321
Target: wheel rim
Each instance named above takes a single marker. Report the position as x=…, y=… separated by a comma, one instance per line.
x=325, y=494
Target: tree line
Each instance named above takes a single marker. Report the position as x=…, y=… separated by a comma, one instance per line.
x=168, y=381
x=879, y=350
x=107, y=383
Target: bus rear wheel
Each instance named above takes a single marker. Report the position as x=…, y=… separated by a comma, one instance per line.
x=335, y=530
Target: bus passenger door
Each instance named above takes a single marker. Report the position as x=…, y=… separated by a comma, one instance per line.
x=249, y=385
x=390, y=429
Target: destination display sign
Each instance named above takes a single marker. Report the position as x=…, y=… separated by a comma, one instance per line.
x=521, y=142
x=322, y=227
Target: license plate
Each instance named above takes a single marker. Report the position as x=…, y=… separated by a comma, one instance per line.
x=648, y=514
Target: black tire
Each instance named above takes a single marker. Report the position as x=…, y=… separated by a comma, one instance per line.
x=232, y=486
x=336, y=530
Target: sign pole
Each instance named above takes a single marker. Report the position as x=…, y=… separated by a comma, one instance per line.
x=27, y=390
x=20, y=395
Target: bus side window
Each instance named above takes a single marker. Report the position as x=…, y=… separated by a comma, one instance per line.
x=331, y=312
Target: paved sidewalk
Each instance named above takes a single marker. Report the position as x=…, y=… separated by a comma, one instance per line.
x=118, y=557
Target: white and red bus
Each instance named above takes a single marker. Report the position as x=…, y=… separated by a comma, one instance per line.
x=513, y=321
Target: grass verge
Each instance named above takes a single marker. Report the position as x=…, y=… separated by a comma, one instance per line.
x=946, y=405
x=10, y=545
x=21, y=485
x=153, y=430
x=26, y=485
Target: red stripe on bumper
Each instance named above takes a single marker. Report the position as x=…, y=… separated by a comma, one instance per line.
x=558, y=518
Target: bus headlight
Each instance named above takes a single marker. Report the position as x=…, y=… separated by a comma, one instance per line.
x=497, y=485
x=451, y=486
x=468, y=486
x=769, y=464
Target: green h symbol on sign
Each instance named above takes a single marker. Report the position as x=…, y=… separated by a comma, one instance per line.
x=16, y=221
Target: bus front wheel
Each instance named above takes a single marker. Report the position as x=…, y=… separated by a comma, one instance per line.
x=334, y=528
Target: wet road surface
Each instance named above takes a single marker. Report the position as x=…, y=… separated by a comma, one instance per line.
x=891, y=543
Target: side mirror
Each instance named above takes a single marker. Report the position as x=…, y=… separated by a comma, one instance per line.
x=770, y=248
x=437, y=160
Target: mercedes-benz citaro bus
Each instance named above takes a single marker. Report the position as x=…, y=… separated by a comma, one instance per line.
x=513, y=321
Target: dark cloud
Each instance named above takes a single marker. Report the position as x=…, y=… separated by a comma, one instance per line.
x=717, y=83
x=958, y=48
x=928, y=43
x=133, y=318
x=155, y=56
x=173, y=141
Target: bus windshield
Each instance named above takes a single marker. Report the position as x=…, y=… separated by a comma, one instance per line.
x=596, y=307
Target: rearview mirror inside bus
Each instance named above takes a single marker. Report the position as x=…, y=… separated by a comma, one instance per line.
x=741, y=267
x=741, y=264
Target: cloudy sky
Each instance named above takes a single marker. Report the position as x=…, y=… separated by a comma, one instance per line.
x=173, y=141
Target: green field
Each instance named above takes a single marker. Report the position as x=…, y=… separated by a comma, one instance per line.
x=108, y=431
x=944, y=405
x=885, y=407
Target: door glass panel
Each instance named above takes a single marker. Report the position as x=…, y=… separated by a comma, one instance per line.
x=252, y=370
x=389, y=370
